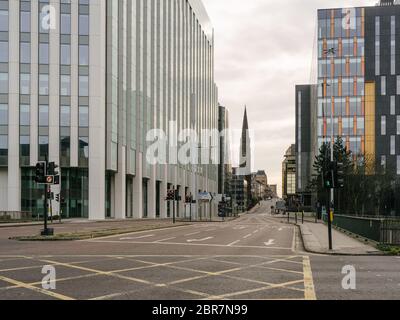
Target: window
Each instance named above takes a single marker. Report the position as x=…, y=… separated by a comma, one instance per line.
x=25, y=52
x=83, y=117
x=3, y=82
x=65, y=85
x=393, y=145
x=83, y=151
x=44, y=84
x=44, y=53
x=383, y=162
x=65, y=24
x=43, y=116
x=65, y=50
x=383, y=125
x=25, y=83
x=43, y=146
x=24, y=146
x=383, y=86
x=24, y=116
x=83, y=25
x=83, y=86
x=65, y=116
x=3, y=114
x=3, y=20
x=398, y=125
x=3, y=52
x=3, y=145
x=83, y=55
x=392, y=105
x=25, y=21
x=398, y=165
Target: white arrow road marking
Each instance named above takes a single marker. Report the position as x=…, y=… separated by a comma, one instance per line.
x=270, y=242
x=200, y=240
x=233, y=243
x=134, y=238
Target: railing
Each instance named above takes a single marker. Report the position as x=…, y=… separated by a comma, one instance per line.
x=384, y=230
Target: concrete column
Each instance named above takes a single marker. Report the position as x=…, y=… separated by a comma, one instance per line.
x=14, y=171
x=97, y=111
x=138, y=188
x=54, y=89
x=152, y=193
x=164, y=189
x=120, y=185
x=74, y=84
x=34, y=83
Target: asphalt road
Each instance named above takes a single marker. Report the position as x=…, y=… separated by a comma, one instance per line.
x=253, y=257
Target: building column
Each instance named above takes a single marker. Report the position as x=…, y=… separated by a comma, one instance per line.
x=120, y=185
x=97, y=110
x=152, y=193
x=14, y=171
x=164, y=189
x=138, y=188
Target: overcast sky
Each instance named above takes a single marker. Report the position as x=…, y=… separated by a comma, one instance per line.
x=263, y=48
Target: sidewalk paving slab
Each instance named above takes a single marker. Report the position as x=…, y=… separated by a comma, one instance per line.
x=315, y=239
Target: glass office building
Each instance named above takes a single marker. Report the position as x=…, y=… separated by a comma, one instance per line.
x=359, y=81
x=82, y=82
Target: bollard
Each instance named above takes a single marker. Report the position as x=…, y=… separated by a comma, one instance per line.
x=302, y=218
x=296, y=217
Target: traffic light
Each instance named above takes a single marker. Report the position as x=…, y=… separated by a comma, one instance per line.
x=40, y=172
x=57, y=197
x=52, y=169
x=338, y=175
x=170, y=195
x=177, y=197
x=327, y=175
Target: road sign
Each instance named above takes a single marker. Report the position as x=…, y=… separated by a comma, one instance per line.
x=49, y=179
x=205, y=196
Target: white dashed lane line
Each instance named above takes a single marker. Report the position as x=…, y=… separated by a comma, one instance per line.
x=135, y=238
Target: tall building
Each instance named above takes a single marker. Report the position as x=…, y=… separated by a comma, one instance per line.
x=224, y=167
x=359, y=80
x=83, y=81
x=306, y=137
x=289, y=173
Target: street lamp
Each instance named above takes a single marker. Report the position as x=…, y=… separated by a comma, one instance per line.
x=331, y=52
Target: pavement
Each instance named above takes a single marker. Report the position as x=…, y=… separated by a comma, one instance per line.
x=253, y=257
x=315, y=240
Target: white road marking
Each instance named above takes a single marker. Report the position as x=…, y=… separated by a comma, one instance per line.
x=255, y=231
x=249, y=235
x=165, y=239
x=134, y=238
x=239, y=228
x=189, y=244
x=199, y=240
x=270, y=242
x=233, y=243
x=280, y=229
x=192, y=234
x=209, y=230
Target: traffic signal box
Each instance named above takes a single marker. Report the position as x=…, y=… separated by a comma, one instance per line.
x=333, y=175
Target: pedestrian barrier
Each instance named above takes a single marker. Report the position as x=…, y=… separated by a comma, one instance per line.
x=384, y=230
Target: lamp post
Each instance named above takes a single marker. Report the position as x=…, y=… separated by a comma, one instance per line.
x=331, y=52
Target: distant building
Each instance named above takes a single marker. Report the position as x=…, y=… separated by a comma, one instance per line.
x=306, y=138
x=239, y=187
x=289, y=173
x=224, y=168
x=274, y=190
